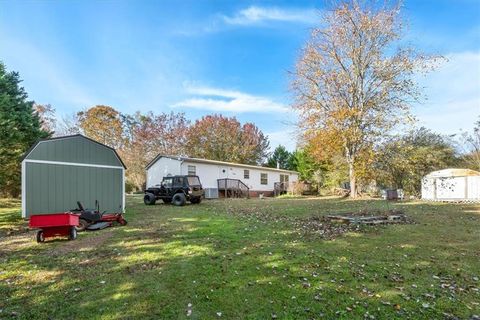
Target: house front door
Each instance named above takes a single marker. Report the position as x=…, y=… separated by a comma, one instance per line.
x=223, y=172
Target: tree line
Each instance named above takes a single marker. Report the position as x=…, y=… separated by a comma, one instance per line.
x=139, y=137
x=20, y=127
x=399, y=161
x=353, y=85
x=353, y=88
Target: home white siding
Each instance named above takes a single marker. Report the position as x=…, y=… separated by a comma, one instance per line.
x=209, y=173
x=162, y=168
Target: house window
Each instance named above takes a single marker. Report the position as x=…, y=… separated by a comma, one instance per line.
x=246, y=174
x=192, y=171
x=284, y=178
x=263, y=178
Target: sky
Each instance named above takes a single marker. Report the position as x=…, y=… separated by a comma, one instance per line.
x=230, y=57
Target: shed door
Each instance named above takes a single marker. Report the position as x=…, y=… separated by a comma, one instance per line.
x=51, y=188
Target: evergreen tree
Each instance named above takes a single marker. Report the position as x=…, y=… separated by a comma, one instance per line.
x=280, y=156
x=305, y=164
x=20, y=127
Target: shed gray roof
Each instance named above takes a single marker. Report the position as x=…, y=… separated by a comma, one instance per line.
x=110, y=149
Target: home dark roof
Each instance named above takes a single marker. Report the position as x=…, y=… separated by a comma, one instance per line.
x=71, y=136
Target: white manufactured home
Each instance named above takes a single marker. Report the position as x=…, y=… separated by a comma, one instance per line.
x=222, y=179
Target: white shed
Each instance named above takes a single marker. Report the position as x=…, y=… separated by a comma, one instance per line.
x=456, y=185
x=216, y=176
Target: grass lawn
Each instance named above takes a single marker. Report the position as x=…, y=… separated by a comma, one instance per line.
x=246, y=259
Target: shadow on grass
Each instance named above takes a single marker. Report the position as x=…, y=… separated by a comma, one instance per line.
x=169, y=257
x=11, y=221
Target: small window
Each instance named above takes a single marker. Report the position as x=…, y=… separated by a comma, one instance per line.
x=263, y=178
x=246, y=174
x=284, y=178
x=192, y=171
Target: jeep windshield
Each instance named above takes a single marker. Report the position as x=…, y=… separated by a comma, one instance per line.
x=193, y=181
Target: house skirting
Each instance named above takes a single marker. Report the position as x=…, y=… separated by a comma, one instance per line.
x=251, y=193
x=256, y=194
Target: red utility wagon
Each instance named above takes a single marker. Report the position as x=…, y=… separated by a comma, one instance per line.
x=57, y=224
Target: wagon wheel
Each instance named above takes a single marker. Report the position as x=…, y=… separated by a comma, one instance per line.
x=82, y=225
x=40, y=236
x=123, y=222
x=73, y=233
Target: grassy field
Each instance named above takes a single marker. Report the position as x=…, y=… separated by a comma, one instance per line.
x=247, y=259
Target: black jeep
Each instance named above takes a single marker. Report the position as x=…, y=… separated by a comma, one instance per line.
x=176, y=190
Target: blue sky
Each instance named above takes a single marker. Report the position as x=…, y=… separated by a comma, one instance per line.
x=229, y=57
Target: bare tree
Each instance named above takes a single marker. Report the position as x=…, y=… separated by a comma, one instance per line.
x=67, y=125
x=47, y=116
x=471, y=147
x=354, y=81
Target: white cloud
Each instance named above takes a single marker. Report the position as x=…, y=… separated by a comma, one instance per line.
x=255, y=15
x=221, y=100
x=453, y=94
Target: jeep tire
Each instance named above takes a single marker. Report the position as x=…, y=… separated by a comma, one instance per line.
x=179, y=199
x=149, y=199
x=195, y=200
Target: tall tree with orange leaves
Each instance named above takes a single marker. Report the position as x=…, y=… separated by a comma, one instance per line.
x=354, y=81
x=103, y=124
x=222, y=138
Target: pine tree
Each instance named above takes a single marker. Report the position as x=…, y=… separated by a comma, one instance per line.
x=20, y=127
x=280, y=157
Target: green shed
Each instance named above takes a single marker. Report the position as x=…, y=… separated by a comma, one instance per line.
x=58, y=172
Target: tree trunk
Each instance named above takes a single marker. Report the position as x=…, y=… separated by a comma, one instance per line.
x=353, y=187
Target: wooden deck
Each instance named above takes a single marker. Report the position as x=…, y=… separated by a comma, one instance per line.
x=233, y=188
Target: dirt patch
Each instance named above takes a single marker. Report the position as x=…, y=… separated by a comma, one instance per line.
x=83, y=244
x=372, y=218
x=332, y=226
x=321, y=226
x=17, y=242
x=28, y=239
x=13, y=230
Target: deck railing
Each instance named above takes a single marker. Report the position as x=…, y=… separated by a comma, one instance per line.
x=280, y=188
x=233, y=188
